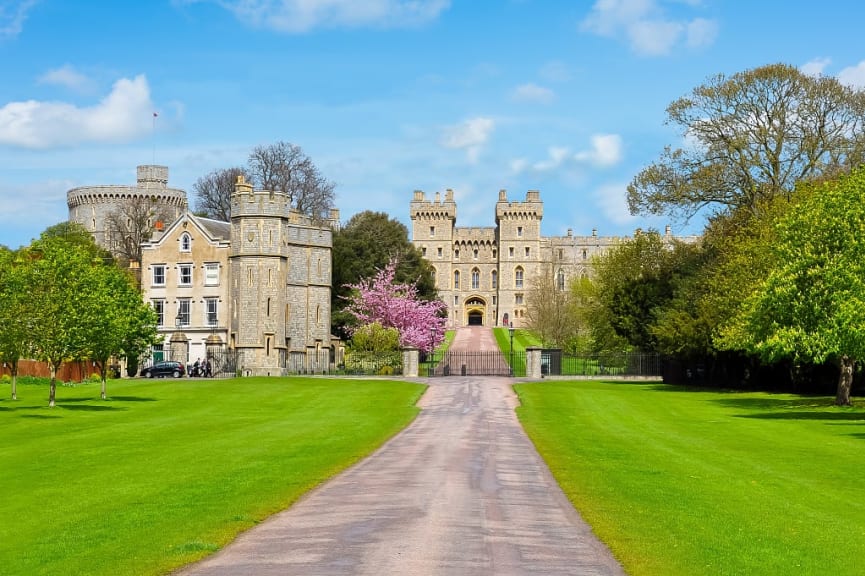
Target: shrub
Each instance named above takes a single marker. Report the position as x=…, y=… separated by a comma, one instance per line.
x=95, y=377
x=6, y=379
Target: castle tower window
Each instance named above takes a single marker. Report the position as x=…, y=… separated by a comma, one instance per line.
x=432, y=231
x=423, y=251
x=494, y=279
x=519, y=230
x=475, y=253
x=511, y=252
x=518, y=300
x=476, y=279
x=456, y=279
x=495, y=253
x=185, y=243
x=439, y=252
x=584, y=254
x=518, y=277
x=560, y=280
x=528, y=251
x=457, y=254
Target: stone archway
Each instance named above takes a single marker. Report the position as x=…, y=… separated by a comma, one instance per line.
x=475, y=308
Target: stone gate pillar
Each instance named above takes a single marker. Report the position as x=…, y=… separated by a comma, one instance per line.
x=410, y=362
x=533, y=362
x=180, y=348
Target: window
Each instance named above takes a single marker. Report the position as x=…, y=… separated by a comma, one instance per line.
x=560, y=280
x=518, y=277
x=185, y=278
x=518, y=299
x=439, y=252
x=457, y=253
x=475, y=253
x=584, y=254
x=423, y=251
x=495, y=300
x=476, y=279
x=211, y=309
x=519, y=230
x=211, y=274
x=159, y=308
x=494, y=279
x=456, y=279
x=456, y=301
x=561, y=254
x=528, y=251
x=159, y=275
x=432, y=230
x=495, y=253
x=185, y=242
x=183, y=308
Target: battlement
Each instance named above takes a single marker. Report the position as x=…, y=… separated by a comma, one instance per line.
x=151, y=176
x=423, y=209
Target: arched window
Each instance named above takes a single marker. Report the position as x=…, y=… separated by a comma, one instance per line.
x=476, y=279
x=456, y=279
x=185, y=242
x=560, y=280
x=518, y=277
x=494, y=279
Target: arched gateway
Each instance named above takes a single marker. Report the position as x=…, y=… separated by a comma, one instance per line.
x=475, y=311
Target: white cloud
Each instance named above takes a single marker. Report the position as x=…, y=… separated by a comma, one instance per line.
x=647, y=27
x=12, y=16
x=815, y=67
x=612, y=200
x=470, y=135
x=606, y=150
x=124, y=114
x=853, y=75
x=533, y=93
x=297, y=16
x=557, y=156
x=65, y=76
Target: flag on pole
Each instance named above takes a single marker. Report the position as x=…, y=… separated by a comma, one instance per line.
x=155, y=114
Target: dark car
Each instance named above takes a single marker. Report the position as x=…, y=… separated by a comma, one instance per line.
x=161, y=369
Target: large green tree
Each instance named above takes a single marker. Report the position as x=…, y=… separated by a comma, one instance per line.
x=14, y=334
x=363, y=246
x=811, y=306
x=749, y=137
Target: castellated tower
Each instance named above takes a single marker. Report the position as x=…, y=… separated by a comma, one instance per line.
x=280, y=270
x=432, y=232
x=90, y=206
x=519, y=230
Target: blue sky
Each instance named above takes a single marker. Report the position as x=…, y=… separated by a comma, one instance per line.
x=386, y=96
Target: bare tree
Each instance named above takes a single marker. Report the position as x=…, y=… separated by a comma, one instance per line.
x=130, y=224
x=549, y=309
x=283, y=167
x=213, y=192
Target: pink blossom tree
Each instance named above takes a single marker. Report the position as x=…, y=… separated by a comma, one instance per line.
x=420, y=323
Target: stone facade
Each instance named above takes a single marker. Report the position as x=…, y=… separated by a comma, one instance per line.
x=90, y=206
x=483, y=274
x=280, y=269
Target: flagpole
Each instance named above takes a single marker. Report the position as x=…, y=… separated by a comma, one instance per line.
x=153, y=135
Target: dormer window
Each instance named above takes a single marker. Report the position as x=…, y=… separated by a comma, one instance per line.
x=185, y=243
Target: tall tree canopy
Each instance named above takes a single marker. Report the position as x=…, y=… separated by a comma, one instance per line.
x=752, y=136
x=213, y=192
x=132, y=222
x=811, y=306
x=280, y=167
x=366, y=244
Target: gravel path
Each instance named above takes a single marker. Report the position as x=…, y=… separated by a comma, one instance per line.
x=460, y=491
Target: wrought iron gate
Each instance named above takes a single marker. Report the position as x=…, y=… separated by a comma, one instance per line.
x=468, y=363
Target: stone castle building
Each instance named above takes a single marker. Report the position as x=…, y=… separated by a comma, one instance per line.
x=483, y=274
x=258, y=285
x=91, y=206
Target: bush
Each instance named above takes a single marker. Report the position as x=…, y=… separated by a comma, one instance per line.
x=95, y=377
x=6, y=379
x=385, y=371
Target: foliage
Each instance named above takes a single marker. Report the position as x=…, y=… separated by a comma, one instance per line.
x=549, y=310
x=284, y=167
x=753, y=136
x=383, y=300
x=128, y=483
x=811, y=306
x=374, y=337
x=133, y=222
x=213, y=192
x=15, y=334
x=365, y=244
x=679, y=482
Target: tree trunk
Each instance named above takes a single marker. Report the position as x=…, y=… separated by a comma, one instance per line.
x=102, y=364
x=52, y=388
x=845, y=381
x=15, y=380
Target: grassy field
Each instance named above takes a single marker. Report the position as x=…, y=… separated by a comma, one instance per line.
x=167, y=471
x=683, y=482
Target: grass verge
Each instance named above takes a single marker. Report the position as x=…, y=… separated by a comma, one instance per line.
x=165, y=472
x=682, y=482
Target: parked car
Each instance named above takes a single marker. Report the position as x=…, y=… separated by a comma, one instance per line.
x=161, y=369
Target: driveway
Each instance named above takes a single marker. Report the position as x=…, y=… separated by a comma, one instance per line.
x=460, y=491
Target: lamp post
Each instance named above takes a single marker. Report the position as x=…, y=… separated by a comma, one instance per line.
x=511, y=330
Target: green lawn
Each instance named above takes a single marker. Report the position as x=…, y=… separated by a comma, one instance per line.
x=167, y=471
x=704, y=482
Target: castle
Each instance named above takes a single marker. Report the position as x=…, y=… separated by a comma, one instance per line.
x=259, y=285
x=484, y=273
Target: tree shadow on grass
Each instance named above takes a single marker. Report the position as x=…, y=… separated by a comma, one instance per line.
x=131, y=399
x=41, y=416
x=771, y=403
x=798, y=415
x=89, y=407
